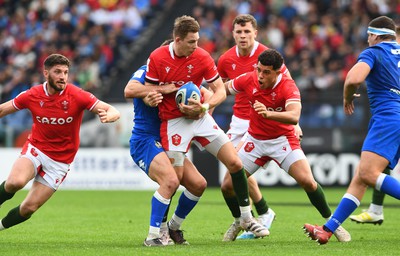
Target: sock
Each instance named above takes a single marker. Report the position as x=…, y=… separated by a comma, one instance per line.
x=187, y=201
x=233, y=206
x=261, y=206
x=346, y=207
x=388, y=185
x=240, y=186
x=377, y=209
x=158, y=207
x=378, y=196
x=13, y=218
x=317, y=198
x=245, y=212
x=4, y=195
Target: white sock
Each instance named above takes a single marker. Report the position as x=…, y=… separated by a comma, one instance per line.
x=154, y=232
x=378, y=209
x=175, y=222
x=245, y=212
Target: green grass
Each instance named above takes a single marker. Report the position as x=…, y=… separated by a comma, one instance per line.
x=116, y=223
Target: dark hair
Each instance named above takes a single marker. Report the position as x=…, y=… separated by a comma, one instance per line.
x=242, y=19
x=168, y=41
x=271, y=57
x=184, y=25
x=56, y=59
x=384, y=22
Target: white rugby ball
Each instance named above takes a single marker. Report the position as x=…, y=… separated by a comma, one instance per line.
x=187, y=91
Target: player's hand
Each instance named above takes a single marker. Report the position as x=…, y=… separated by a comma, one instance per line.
x=298, y=132
x=260, y=109
x=193, y=110
x=348, y=104
x=153, y=98
x=108, y=116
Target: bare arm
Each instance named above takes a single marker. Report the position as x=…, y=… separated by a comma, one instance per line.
x=135, y=89
x=290, y=116
x=356, y=76
x=7, y=108
x=106, y=112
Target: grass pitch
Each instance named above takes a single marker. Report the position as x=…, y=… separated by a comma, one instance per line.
x=116, y=223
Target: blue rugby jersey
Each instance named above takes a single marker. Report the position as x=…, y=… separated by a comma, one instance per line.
x=146, y=120
x=383, y=82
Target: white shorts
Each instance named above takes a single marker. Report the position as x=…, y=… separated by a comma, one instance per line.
x=255, y=153
x=237, y=129
x=177, y=133
x=47, y=171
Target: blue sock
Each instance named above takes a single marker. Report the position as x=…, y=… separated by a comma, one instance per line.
x=388, y=185
x=186, y=203
x=158, y=207
x=346, y=206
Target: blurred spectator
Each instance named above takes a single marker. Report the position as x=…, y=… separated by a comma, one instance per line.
x=93, y=34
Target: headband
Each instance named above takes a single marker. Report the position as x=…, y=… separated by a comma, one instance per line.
x=381, y=31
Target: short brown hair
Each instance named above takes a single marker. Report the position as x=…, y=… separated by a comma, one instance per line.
x=184, y=25
x=242, y=19
x=384, y=22
x=56, y=59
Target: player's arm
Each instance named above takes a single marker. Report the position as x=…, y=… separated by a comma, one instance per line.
x=106, y=112
x=356, y=76
x=7, y=108
x=135, y=89
x=206, y=94
x=291, y=115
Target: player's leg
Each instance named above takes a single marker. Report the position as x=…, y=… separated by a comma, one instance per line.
x=21, y=173
x=369, y=169
x=300, y=170
x=231, y=201
x=194, y=184
x=228, y=156
x=374, y=213
x=162, y=172
x=37, y=196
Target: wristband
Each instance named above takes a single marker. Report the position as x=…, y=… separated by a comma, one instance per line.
x=205, y=107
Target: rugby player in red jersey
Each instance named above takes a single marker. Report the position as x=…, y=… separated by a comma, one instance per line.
x=179, y=62
x=57, y=108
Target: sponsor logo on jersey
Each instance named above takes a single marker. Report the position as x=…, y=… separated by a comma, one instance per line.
x=54, y=120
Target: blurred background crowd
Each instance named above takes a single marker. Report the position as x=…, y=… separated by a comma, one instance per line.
x=319, y=39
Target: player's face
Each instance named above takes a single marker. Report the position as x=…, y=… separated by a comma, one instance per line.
x=244, y=36
x=267, y=76
x=186, y=46
x=56, y=77
x=372, y=39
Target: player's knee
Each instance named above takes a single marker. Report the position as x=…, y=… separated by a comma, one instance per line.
x=27, y=209
x=14, y=184
x=172, y=184
x=368, y=177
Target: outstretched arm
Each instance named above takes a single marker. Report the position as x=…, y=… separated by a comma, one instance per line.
x=7, y=108
x=106, y=112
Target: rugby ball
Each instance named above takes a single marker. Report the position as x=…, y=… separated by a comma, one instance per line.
x=187, y=91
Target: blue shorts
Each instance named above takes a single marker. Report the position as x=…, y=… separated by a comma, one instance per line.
x=143, y=150
x=383, y=138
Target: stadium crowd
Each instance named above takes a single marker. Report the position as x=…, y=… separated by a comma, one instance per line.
x=92, y=34
x=319, y=40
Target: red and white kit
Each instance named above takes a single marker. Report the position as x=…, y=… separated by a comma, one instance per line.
x=269, y=139
x=164, y=67
x=230, y=66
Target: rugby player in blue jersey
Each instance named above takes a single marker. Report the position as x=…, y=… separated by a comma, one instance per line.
x=148, y=154
x=379, y=67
